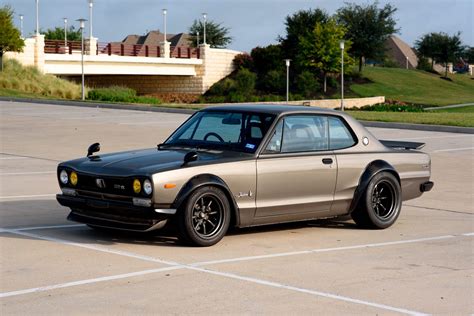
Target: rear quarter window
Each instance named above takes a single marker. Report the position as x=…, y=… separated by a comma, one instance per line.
x=339, y=134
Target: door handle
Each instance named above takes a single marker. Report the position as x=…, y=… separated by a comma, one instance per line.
x=327, y=161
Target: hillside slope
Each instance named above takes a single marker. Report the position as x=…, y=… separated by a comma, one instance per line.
x=414, y=86
x=20, y=81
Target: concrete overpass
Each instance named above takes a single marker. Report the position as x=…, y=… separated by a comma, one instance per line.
x=192, y=71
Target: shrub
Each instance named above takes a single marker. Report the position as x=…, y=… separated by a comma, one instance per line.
x=245, y=82
x=119, y=94
x=237, y=97
x=307, y=84
x=393, y=107
x=223, y=87
x=243, y=61
x=273, y=81
x=271, y=98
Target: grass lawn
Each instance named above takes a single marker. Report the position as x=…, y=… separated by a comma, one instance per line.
x=415, y=86
x=463, y=119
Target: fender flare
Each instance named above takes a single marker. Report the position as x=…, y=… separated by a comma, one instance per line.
x=370, y=171
x=201, y=180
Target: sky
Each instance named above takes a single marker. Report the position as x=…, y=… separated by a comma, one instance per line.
x=252, y=22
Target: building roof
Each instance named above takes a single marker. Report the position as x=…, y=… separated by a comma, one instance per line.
x=154, y=38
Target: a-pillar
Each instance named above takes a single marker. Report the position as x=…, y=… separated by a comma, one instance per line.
x=165, y=49
x=39, y=52
x=90, y=46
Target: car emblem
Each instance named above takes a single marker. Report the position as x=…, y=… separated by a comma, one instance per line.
x=100, y=183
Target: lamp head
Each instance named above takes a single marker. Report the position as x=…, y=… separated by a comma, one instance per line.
x=165, y=11
x=81, y=23
x=21, y=16
x=65, y=20
x=204, y=15
x=341, y=44
x=287, y=62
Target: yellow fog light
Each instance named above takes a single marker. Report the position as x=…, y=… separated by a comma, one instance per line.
x=73, y=178
x=137, y=186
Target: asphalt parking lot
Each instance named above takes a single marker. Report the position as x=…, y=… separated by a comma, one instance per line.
x=423, y=264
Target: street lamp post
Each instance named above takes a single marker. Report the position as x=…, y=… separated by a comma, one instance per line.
x=37, y=17
x=287, y=63
x=407, y=61
x=21, y=25
x=164, y=25
x=341, y=46
x=65, y=32
x=204, y=16
x=81, y=27
x=91, y=4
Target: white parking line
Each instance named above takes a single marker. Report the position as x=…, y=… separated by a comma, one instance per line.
x=11, y=158
x=5, y=229
x=304, y=252
x=453, y=149
x=308, y=291
x=83, y=282
x=195, y=267
x=26, y=173
x=175, y=266
x=13, y=197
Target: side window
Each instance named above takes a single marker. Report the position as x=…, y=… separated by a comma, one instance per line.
x=274, y=146
x=303, y=133
x=340, y=136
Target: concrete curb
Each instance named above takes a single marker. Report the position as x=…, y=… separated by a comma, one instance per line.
x=115, y=106
x=148, y=108
x=420, y=127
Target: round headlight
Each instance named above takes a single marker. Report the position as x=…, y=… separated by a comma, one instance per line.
x=63, y=177
x=73, y=178
x=137, y=186
x=147, y=187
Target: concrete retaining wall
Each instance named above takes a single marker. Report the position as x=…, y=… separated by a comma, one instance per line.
x=335, y=103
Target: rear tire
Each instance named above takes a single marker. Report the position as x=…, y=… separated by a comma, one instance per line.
x=204, y=218
x=380, y=204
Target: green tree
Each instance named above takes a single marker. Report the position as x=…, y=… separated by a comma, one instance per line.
x=449, y=49
x=58, y=34
x=425, y=47
x=468, y=55
x=10, y=40
x=216, y=35
x=321, y=51
x=298, y=25
x=368, y=27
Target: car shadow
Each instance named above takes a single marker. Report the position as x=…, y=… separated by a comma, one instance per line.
x=41, y=213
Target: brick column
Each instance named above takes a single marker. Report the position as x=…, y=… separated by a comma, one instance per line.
x=39, y=52
x=165, y=49
x=90, y=46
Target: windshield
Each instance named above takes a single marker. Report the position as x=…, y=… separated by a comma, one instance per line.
x=237, y=131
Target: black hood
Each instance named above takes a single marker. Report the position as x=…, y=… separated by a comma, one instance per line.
x=147, y=161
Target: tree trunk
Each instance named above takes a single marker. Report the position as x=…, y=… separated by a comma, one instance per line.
x=325, y=77
x=360, y=63
x=446, y=71
x=432, y=63
x=1, y=61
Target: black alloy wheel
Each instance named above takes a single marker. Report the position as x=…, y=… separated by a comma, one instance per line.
x=204, y=218
x=380, y=205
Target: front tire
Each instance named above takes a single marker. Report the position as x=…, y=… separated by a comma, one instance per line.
x=381, y=203
x=204, y=218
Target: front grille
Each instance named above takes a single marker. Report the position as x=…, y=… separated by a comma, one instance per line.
x=110, y=185
x=104, y=196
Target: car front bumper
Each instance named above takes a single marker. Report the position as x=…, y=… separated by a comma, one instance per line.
x=114, y=214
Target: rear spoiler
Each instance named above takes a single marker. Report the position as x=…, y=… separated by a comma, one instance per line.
x=401, y=144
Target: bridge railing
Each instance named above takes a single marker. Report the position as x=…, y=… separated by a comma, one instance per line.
x=59, y=47
x=184, y=52
x=120, y=49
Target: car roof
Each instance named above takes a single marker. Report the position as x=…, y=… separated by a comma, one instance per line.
x=276, y=109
